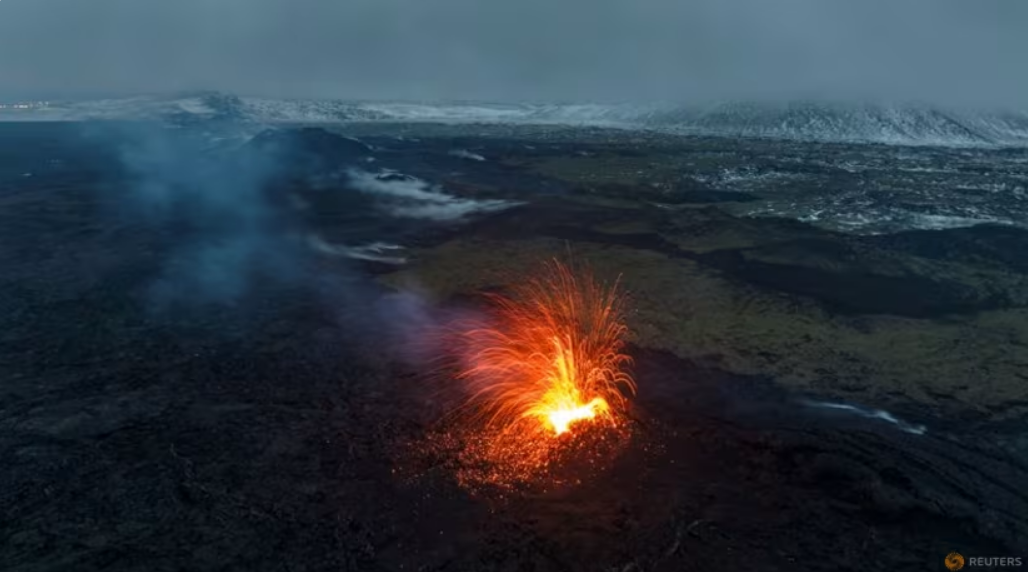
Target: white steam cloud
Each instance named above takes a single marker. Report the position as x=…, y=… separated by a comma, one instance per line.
x=414, y=198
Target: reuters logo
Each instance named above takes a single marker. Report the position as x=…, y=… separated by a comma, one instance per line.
x=954, y=561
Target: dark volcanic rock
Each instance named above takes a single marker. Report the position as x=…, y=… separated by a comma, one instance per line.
x=858, y=292
x=999, y=245
x=311, y=150
x=701, y=196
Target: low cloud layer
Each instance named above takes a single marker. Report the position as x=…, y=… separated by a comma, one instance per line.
x=942, y=50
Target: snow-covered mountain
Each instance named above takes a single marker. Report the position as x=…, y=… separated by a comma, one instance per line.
x=849, y=122
x=864, y=122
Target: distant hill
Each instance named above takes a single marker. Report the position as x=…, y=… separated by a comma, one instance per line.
x=904, y=124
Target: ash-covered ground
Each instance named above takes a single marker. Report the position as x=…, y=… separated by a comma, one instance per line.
x=204, y=365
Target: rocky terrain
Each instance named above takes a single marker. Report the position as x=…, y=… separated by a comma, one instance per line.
x=808, y=398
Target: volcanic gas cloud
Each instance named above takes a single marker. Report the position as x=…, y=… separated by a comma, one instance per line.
x=547, y=365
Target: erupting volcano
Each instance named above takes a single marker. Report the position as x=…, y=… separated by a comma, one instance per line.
x=546, y=374
x=552, y=353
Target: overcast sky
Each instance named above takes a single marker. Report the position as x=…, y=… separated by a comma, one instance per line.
x=944, y=50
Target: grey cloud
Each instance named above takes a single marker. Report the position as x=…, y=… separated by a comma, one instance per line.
x=950, y=50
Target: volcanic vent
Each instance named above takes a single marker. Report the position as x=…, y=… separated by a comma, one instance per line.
x=546, y=380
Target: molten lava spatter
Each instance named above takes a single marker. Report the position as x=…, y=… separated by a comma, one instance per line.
x=547, y=388
x=563, y=416
x=552, y=352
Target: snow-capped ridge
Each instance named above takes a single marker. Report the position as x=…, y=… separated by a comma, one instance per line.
x=905, y=124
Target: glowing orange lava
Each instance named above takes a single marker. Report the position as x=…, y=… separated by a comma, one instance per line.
x=552, y=353
x=563, y=416
x=542, y=401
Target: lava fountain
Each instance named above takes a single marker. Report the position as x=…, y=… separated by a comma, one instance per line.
x=544, y=383
x=552, y=354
